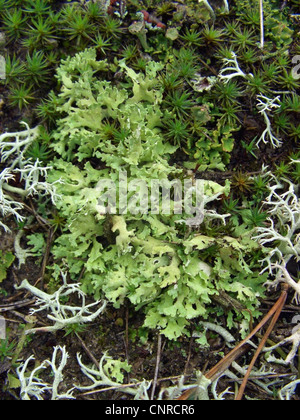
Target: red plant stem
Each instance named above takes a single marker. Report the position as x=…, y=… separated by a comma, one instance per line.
x=152, y=19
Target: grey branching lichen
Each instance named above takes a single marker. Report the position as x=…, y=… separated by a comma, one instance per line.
x=233, y=70
x=281, y=237
x=33, y=387
x=289, y=390
x=294, y=339
x=13, y=147
x=108, y=374
x=210, y=8
x=8, y=206
x=266, y=105
x=62, y=314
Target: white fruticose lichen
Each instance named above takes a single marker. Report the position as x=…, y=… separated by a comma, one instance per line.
x=203, y=389
x=210, y=8
x=208, y=191
x=281, y=238
x=281, y=241
x=294, y=339
x=8, y=206
x=13, y=147
x=62, y=314
x=97, y=375
x=100, y=377
x=218, y=329
x=32, y=386
x=264, y=106
x=283, y=276
x=264, y=376
x=31, y=174
x=233, y=70
x=289, y=390
x=20, y=253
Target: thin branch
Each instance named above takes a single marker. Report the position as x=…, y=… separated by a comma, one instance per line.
x=50, y=238
x=241, y=348
x=279, y=306
x=87, y=350
x=262, y=27
x=17, y=305
x=158, y=357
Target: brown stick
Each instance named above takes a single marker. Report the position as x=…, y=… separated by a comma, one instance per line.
x=278, y=306
x=241, y=348
x=87, y=350
x=50, y=239
x=17, y=305
x=158, y=357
